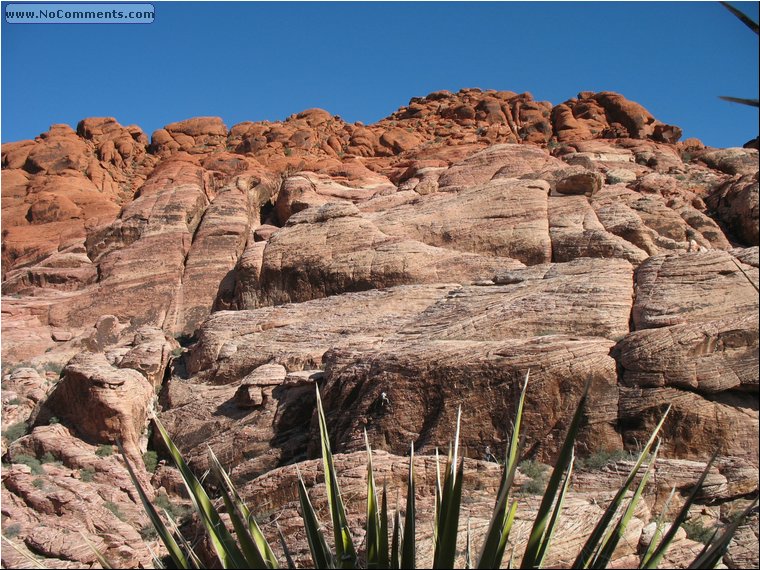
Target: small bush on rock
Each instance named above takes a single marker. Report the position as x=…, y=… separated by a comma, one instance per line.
x=15, y=431
x=104, y=450
x=32, y=462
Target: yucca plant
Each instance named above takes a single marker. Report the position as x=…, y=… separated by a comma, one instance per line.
x=250, y=549
x=752, y=25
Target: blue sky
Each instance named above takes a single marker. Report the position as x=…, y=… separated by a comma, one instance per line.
x=257, y=61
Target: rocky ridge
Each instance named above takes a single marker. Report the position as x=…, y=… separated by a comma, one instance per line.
x=214, y=276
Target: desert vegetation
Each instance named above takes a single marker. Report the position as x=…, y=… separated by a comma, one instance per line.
x=393, y=545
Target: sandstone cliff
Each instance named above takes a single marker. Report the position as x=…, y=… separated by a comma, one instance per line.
x=215, y=275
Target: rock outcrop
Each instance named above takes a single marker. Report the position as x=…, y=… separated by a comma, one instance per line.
x=215, y=276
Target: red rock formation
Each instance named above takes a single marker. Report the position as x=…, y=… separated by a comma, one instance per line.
x=435, y=255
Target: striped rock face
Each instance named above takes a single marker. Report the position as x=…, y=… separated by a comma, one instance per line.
x=214, y=276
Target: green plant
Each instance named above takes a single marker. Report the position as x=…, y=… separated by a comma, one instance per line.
x=38, y=484
x=15, y=431
x=12, y=531
x=604, y=457
x=49, y=458
x=114, y=508
x=177, y=352
x=54, y=367
x=53, y=421
x=697, y=531
x=87, y=474
x=533, y=469
x=148, y=532
x=150, y=458
x=178, y=512
x=32, y=462
x=10, y=369
x=752, y=25
x=288, y=151
x=14, y=401
x=104, y=450
x=249, y=549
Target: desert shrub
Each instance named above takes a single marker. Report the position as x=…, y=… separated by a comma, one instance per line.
x=104, y=450
x=697, y=531
x=87, y=474
x=532, y=469
x=537, y=473
x=32, y=462
x=11, y=531
x=14, y=401
x=53, y=421
x=38, y=484
x=178, y=512
x=53, y=367
x=148, y=532
x=49, y=458
x=15, y=431
x=114, y=508
x=602, y=458
x=150, y=458
x=534, y=486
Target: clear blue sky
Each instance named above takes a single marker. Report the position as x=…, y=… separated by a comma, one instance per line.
x=256, y=61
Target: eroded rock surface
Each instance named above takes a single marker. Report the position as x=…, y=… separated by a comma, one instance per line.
x=428, y=261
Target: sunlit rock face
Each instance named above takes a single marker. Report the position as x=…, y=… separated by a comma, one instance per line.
x=215, y=276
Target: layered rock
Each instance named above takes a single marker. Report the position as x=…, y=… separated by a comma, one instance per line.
x=409, y=267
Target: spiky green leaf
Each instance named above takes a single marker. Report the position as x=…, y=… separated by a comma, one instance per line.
x=224, y=544
x=345, y=553
x=320, y=553
x=175, y=552
x=409, y=546
x=538, y=536
x=594, y=541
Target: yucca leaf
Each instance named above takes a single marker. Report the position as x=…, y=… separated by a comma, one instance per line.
x=192, y=557
x=664, y=544
x=718, y=547
x=253, y=527
x=285, y=549
x=746, y=20
x=320, y=553
x=492, y=551
x=438, y=493
x=372, y=537
x=551, y=527
x=748, y=102
x=467, y=557
x=452, y=500
x=536, y=540
x=175, y=552
x=409, y=546
x=102, y=560
x=239, y=516
x=657, y=531
x=345, y=553
x=396, y=542
x=594, y=540
x=707, y=544
x=448, y=522
x=509, y=520
x=29, y=557
x=384, y=554
x=224, y=544
x=610, y=544
x=253, y=557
